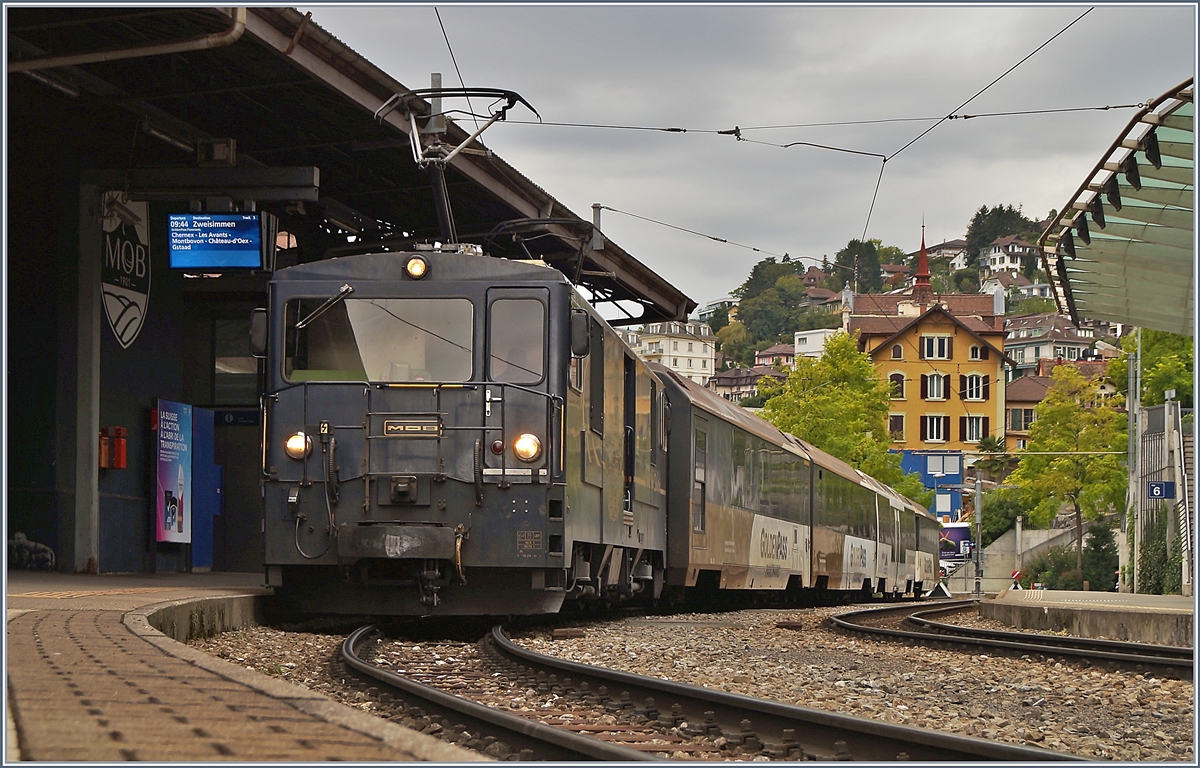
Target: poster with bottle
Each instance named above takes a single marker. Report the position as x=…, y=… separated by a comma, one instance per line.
x=173, y=498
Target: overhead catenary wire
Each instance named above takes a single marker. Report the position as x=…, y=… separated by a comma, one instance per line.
x=690, y=231
x=825, y=124
x=454, y=60
x=989, y=85
x=960, y=106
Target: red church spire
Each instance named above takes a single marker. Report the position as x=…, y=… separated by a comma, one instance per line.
x=922, y=291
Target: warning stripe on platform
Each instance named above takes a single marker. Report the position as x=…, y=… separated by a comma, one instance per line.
x=91, y=592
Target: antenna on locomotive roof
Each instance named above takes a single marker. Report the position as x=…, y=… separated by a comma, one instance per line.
x=429, y=150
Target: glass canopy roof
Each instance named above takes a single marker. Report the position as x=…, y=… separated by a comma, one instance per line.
x=1123, y=247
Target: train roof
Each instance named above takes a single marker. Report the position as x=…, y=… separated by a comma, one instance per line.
x=389, y=266
x=707, y=400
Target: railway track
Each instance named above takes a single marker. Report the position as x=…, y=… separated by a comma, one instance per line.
x=459, y=719
x=916, y=624
x=592, y=713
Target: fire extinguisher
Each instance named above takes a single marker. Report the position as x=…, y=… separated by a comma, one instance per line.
x=119, y=448
x=104, y=448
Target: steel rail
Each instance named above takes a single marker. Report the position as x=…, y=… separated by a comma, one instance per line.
x=1176, y=660
x=822, y=735
x=519, y=733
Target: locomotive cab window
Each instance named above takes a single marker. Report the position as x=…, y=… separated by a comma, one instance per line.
x=516, y=341
x=383, y=339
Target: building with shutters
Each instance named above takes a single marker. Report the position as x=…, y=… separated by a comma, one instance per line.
x=689, y=349
x=944, y=357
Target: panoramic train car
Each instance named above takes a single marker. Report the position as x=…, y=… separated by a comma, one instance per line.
x=451, y=434
x=431, y=445
x=753, y=508
x=739, y=496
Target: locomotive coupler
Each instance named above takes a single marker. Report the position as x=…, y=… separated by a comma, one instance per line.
x=426, y=583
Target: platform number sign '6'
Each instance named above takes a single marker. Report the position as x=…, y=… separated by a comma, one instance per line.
x=1160, y=490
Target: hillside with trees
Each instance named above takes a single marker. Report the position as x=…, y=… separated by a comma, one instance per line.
x=989, y=223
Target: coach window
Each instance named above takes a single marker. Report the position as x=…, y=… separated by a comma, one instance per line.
x=516, y=341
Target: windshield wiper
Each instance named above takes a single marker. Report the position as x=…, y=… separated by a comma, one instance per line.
x=346, y=291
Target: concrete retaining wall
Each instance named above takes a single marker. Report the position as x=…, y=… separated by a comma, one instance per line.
x=1141, y=625
x=195, y=619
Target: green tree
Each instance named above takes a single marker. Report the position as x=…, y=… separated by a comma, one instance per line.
x=763, y=276
x=965, y=280
x=737, y=344
x=764, y=315
x=996, y=461
x=719, y=319
x=889, y=254
x=1167, y=363
x=988, y=224
x=1056, y=568
x=859, y=261
x=810, y=320
x=1058, y=467
x=1100, y=558
x=1159, y=554
x=1060, y=568
x=840, y=404
x=1030, y=305
x=1000, y=512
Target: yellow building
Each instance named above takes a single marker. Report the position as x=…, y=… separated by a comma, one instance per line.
x=944, y=356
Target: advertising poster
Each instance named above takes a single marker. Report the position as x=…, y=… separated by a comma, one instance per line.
x=174, y=497
x=954, y=542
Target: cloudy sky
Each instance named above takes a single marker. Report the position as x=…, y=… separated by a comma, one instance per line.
x=710, y=68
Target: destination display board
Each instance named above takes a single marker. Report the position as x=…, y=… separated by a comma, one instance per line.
x=215, y=240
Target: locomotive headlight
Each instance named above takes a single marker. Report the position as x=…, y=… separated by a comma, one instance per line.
x=527, y=447
x=416, y=267
x=298, y=445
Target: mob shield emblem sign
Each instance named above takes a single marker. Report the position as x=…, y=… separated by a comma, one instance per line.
x=125, y=266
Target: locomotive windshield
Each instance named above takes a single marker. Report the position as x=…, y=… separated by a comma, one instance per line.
x=384, y=339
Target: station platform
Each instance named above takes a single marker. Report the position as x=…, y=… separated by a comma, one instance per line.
x=1158, y=619
x=92, y=678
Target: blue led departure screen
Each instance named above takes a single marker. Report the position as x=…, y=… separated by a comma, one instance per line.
x=214, y=240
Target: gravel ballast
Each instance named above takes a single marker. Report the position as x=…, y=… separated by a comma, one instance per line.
x=1055, y=704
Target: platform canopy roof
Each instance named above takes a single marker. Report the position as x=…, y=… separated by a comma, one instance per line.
x=145, y=86
x=1122, y=248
